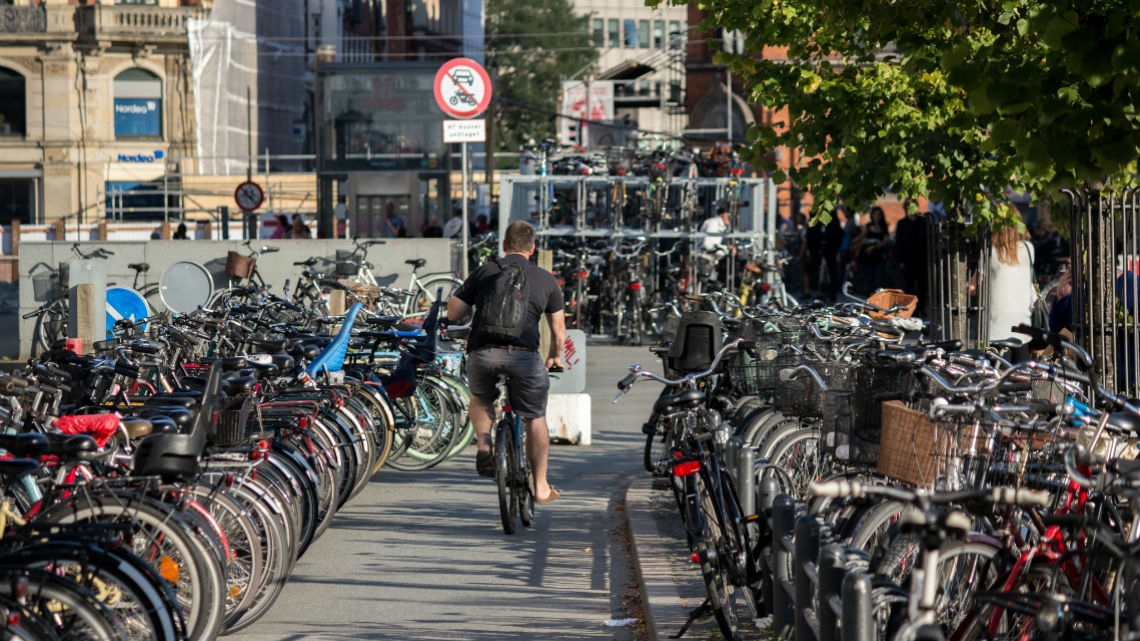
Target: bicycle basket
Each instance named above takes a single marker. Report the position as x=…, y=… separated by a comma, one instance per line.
x=842, y=436
x=913, y=449
x=239, y=265
x=346, y=264
x=888, y=298
x=230, y=429
x=801, y=396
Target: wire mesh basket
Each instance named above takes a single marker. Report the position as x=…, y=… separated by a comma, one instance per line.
x=876, y=382
x=346, y=264
x=844, y=434
x=801, y=396
x=756, y=375
x=232, y=421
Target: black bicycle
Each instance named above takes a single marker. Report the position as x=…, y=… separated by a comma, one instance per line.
x=512, y=468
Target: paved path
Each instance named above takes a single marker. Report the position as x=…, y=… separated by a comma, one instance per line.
x=423, y=556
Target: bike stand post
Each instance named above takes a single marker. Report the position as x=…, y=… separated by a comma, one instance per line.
x=704, y=609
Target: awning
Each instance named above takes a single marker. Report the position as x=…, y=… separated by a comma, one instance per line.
x=627, y=70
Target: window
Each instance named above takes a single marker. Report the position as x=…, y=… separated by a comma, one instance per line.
x=138, y=104
x=658, y=34
x=13, y=110
x=599, y=26
x=643, y=34
x=631, y=33
x=676, y=37
x=615, y=33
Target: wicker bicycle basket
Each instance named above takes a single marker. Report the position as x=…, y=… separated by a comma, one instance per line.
x=888, y=298
x=913, y=449
x=239, y=265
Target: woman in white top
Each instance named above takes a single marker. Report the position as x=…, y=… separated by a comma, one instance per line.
x=1011, y=292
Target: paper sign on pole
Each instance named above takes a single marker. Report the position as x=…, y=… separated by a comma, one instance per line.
x=464, y=131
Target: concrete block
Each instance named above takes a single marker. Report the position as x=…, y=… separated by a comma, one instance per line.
x=568, y=418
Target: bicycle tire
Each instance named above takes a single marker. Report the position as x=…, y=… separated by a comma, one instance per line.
x=963, y=567
x=799, y=456
x=524, y=484
x=71, y=608
x=145, y=602
x=159, y=531
x=51, y=323
x=279, y=555
x=505, y=466
x=243, y=567
x=874, y=528
x=437, y=418
x=426, y=293
x=721, y=592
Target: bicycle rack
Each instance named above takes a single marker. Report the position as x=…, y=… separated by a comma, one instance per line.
x=815, y=593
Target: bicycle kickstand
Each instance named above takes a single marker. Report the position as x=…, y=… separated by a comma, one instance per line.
x=704, y=609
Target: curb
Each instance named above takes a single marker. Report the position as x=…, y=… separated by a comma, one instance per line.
x=660, y=599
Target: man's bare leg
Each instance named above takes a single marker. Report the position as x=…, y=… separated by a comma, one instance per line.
x=537, y=452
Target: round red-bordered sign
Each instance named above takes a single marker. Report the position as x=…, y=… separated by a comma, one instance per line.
x=249, y=196
x=462, y=88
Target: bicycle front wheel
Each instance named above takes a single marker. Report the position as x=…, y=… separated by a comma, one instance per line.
x=505, y=466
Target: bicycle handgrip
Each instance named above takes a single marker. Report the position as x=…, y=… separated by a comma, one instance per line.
x=143, y=349
x=1017, y=386
x=12, y=382
x=1067, y=520
x=1020, y=496
x=836, y=489
x=270, y=250
x=627, y=382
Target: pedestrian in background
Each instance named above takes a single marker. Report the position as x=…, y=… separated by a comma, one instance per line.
x=1010, y=283
x=910, y=246
x=180, y=233
x=873, y=244
x=394, y=224
x=283, y=230
x=433, y=229
x=300, y=229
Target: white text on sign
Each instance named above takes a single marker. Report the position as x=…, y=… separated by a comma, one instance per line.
x=464, y=131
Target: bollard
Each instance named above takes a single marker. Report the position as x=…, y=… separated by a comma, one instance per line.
x=783, y=529
x=858, y=623
x=807, y=553
x=832, y=569
x=746, y=480
x=731, y=452
x=767, y=489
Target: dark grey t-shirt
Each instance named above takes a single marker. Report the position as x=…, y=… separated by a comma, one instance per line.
x=544, y=296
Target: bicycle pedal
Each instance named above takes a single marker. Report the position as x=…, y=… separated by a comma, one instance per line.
x=648, y=428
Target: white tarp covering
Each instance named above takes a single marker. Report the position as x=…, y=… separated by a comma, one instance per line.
x=231, y=60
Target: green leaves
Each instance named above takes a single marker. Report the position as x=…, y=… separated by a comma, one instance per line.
x=1030, y=95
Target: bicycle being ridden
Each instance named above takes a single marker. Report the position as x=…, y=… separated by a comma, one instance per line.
x=512, y=456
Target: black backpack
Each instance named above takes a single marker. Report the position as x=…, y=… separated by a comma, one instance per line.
x=500, y=312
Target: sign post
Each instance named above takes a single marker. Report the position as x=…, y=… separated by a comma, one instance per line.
x=463, y=90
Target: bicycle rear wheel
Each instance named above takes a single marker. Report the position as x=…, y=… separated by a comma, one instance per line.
x=505, y=466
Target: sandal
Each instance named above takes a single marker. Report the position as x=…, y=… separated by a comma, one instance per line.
x=550, y=498
x=485, y=464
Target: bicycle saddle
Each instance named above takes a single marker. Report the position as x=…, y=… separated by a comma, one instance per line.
x=139, y=267
x=307, y=263
x=137, y=427
x=416, y=263
x=1125, y=421
x=70, y=447
x=687, y=398
x=22, y=445
x=11, y=469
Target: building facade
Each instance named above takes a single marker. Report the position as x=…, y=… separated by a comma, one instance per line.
x=89, y=95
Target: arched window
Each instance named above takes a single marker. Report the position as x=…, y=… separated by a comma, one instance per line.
x=138, y=104
x=13, y=107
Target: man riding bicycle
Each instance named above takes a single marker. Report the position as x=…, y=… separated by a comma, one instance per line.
x=489, y=358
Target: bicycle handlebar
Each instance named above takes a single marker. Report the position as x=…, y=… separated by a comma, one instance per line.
x=635, y=371
x=995, y=495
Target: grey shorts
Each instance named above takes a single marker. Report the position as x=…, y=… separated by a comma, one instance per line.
x=530, y=383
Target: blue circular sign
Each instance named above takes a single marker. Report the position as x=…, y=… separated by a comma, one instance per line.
x=124, y=303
